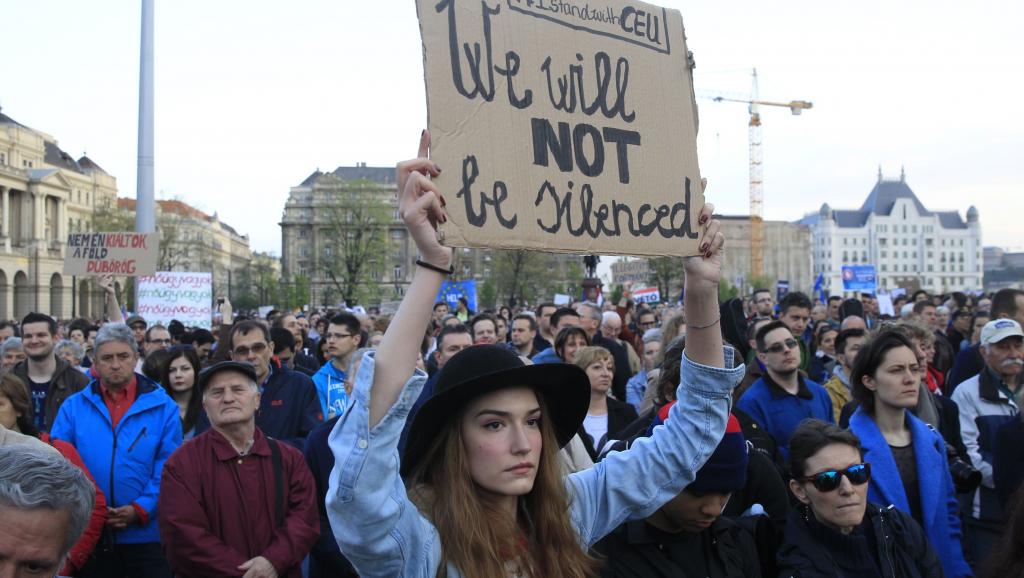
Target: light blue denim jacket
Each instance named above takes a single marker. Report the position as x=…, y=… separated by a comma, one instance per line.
x=383, y=533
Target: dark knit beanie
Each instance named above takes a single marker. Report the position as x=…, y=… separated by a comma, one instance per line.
x=726, y=469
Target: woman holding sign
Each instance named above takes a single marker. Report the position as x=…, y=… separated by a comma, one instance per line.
x=486, y=496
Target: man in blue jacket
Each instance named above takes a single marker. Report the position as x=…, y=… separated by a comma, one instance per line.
x=289, y=407
x=125, y=427
x=782, y=398
x=342, y=339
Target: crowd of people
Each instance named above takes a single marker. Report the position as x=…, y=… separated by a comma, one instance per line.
x=747, y=438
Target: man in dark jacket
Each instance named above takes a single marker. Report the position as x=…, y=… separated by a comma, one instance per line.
x=687, y=536
x=289, y=406
x=233, y=500
x=49, y=379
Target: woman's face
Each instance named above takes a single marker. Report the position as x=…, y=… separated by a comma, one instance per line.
x=897, y=380
x=842, y=508
x=828, y=343
x=572, y=345
x=8, y=417
x=181, y=375
x=600, y=373
x=502, y=436
x=68, y=355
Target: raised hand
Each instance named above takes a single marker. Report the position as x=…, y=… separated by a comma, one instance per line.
x=707, y=266
x=421, y=204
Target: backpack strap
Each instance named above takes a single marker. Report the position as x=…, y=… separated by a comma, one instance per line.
x=275, y=459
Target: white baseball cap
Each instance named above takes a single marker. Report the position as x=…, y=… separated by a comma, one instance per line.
x=999, y=329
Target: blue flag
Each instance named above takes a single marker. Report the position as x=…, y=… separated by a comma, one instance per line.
x=818, y=283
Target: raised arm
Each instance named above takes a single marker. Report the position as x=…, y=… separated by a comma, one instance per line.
x=113, y=307
x=421, y=206
x=700, y=298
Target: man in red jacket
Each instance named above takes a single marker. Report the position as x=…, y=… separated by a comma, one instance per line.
x=234, y=502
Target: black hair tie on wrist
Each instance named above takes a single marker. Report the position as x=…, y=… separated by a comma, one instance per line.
x=449, y=271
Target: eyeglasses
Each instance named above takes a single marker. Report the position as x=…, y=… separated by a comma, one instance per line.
x=829, y=480
x=782, y=346
x=159, y=341
x=243, y=351
x=338, y=335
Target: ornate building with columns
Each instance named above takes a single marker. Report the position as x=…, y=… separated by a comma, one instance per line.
x=45, y=194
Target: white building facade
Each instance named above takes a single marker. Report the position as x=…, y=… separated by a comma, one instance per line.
x=910, y=246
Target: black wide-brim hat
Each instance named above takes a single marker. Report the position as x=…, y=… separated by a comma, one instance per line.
x=483, y=369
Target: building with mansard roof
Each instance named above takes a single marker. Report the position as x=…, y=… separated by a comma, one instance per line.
x=910, y=246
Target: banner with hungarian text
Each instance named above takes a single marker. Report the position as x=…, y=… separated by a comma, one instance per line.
x=127, y=253
x=187, y=297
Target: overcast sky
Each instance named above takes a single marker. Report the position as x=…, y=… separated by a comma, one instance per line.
x=253, y=96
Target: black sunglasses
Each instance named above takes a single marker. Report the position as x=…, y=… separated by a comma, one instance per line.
x=829, y=480
x=782, y=346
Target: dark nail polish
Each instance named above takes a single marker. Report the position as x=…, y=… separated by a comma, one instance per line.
x=423, y=132
x=704, y=248
x=437, y=168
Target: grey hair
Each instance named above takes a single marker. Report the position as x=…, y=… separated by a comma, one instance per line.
x=76, y=348
x=115, y=333
x=652, y=335
x=610, y=315
x=11, y=344
x=31, y=479
x=595, y=311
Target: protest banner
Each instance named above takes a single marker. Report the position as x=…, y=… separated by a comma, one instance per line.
x=859, y=278
x=187, y=297
x=562, y=300
x=132, y=254
x=563, y=127
x=648, y=295
x=452, y=290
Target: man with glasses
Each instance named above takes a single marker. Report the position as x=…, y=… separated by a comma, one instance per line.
x=289, y=408
x=158, y=338
x=342, y=340
x=782, y=398
x=764, y=305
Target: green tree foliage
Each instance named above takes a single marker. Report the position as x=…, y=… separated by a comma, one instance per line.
x=523, y=276
x=356, y=249
x=726, y=291
x=488, y=295
x=617, y=293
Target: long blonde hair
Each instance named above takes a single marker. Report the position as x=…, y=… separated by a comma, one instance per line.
x=480, y=540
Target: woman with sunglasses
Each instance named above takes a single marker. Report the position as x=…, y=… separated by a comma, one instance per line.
x=835, y=531
x=486, y=496
x=907, y=456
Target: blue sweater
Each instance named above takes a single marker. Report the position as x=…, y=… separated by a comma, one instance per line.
x=939, y=505
x=779, y=413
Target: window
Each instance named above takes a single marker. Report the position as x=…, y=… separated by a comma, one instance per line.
x=3, y=159
x=885, y=254
x=303, y=233
x=397, y=272
x=913, y=229
x=327, y=252
x=884, y=267
x=303, y=252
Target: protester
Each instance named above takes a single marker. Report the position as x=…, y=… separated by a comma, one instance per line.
x=12, y=352
x=284, y=350
x=49, y=379
x=72, y=353
x=16, y=416
x=465, y=519
x=636, y=387
x=824, y=359
x=501, y=335
x=484, y=328
x=795, y=313
x=561, y=319
x=590, y=321
x=783, y=397
x=1006, y=304
x=524, y=332
x=179, y=376
x=234, y=501
x=835, y=531
x=1007, y=557
x=123, y=423
x=289, y=405
x=450, y=342
x=840, y=391
x=606, y=417
x=688, y=536
x=545, y=337
x=7, y=331
x=907, y=457
x=301, y=360
x=202, y=341
x=46, y=505
x=988, y=401
x=611, y=327
x=764, y=305
x=342, y=339
x=157, y=338
x=567, y=344
x=138, y=326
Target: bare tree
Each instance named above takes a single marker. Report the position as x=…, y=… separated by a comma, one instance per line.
x=357, y=220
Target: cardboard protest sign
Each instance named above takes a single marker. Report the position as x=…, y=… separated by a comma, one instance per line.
x=187, y=297
x=563, y=127
x=114, y=253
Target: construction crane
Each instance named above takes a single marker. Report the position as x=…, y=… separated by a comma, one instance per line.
x=756, y=172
